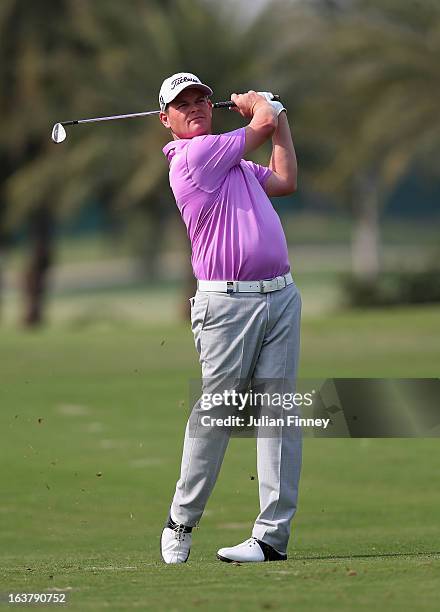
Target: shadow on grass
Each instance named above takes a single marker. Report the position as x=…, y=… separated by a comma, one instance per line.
x=366, y=556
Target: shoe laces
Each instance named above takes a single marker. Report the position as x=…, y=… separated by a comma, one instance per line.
x=180, y=533
x=252, y=541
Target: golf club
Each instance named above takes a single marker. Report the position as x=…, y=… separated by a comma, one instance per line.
x=59, y=133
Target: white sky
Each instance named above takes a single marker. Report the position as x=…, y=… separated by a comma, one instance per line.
x=248, y=9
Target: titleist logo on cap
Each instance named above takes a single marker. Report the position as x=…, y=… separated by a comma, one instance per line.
x=183, y=80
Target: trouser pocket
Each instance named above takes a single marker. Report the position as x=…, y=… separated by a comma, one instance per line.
x=199, y=310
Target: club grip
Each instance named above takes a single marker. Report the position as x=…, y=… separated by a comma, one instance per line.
x=230, y=104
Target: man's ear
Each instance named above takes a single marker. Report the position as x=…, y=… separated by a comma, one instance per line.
x=164, y=119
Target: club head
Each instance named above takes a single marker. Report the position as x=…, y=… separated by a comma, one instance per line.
x=58, y=133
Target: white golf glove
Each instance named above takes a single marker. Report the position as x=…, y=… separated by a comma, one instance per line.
x=275, y=103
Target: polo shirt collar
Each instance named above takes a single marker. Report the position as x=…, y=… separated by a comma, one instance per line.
x=170, y=149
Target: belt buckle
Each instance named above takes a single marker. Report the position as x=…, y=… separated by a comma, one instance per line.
x=230, y=286
x=266, y=286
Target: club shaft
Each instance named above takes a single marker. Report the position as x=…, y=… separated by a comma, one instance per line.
x=111, y=118
x=226, y=104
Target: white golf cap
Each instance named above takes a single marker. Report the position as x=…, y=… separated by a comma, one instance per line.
x=173, y=85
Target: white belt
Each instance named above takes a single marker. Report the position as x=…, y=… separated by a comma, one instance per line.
x=262, y=286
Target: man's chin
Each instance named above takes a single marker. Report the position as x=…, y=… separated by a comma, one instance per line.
x=201, y=130
x=198, y=130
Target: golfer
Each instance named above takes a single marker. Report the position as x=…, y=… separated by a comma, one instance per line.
x=246, y=312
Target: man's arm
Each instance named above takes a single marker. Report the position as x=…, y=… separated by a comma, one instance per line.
x=266, y=123
x=283, y=164
x=263, y=116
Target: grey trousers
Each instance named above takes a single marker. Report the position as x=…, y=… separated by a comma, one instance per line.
x=247, y=336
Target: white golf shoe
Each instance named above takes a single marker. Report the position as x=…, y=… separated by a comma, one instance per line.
x=250, y=551
x=175, y=542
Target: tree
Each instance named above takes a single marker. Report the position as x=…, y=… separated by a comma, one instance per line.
x=35, y=53
x=362, y=78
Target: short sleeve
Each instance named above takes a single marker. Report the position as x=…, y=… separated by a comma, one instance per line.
x=262, y=173
x=209, y=158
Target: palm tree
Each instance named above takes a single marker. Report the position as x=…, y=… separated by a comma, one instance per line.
x=44, y=51
x=363, y=80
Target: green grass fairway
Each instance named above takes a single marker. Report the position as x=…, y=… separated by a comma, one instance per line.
x=92, y=424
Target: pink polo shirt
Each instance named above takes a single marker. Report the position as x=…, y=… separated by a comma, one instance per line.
x=235, y=232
